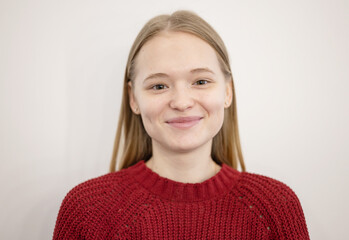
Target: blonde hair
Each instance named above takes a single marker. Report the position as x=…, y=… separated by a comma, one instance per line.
x=137, y=144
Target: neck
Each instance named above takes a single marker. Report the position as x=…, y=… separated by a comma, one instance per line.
x=187, y=167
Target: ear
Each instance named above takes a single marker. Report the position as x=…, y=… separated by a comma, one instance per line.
x=133, y=102
x=228, y=93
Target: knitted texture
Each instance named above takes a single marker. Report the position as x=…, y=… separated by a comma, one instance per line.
x=137, y=203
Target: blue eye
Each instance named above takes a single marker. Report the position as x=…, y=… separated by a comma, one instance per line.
x=201, y=82
x=158, y=87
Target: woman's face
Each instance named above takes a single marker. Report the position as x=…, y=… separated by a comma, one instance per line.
x=180, y=91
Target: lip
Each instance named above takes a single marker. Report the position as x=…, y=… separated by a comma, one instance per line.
x=184, y=122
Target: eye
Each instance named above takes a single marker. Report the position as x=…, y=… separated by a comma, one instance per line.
x=201, y=82
x=158, y=87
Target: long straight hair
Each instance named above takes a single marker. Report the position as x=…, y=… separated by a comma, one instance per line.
x=132, y=143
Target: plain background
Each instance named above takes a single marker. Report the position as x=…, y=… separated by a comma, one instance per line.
x=61, y=70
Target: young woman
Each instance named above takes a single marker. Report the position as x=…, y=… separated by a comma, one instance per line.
x=180, y=149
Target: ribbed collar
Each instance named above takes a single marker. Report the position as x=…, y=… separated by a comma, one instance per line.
x=168, y=189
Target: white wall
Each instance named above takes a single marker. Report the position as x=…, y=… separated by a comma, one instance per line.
x=61, y=69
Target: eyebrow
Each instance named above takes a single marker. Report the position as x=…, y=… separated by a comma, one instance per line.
x=164, y=75
x=156, y=75
x=200, y=70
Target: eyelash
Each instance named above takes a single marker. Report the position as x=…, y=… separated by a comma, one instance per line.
x=201, y=80
x=158, y=87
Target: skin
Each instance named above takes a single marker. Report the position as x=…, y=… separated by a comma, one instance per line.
x=180, y=92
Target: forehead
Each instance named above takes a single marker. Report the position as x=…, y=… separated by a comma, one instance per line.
x=174, y=52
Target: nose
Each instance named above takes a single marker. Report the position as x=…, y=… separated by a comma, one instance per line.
x=181, y=99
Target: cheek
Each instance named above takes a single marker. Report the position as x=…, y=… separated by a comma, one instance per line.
x=214, y=102
x=216, y=110
x=152, y=115
x=150, y=109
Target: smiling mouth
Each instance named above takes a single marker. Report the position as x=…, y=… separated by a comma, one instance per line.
x=184, y=122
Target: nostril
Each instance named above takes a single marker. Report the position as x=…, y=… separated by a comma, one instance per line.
x=181, y=104
x=181, y=100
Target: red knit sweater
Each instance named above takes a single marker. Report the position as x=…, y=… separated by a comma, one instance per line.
x=137, y=203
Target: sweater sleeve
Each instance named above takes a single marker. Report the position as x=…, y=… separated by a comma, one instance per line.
x=289, y=221
x=71, y=216
x=280, y=206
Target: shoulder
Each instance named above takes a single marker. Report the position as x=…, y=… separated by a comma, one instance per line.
x=275, y=203
x=95, y=187
x=98, y=191
x=267, y=193
x=272, y=193
x=89, y=199
x=266, y=187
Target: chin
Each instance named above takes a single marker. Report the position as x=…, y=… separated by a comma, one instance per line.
x=182, y=149
x=185, y=146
